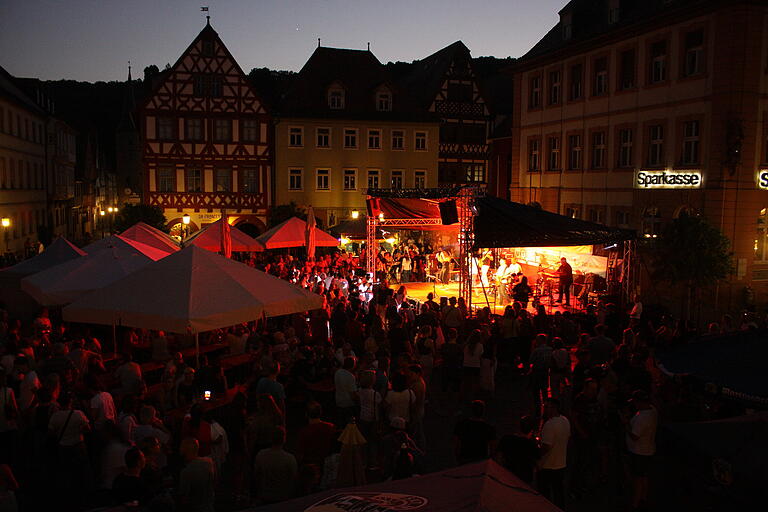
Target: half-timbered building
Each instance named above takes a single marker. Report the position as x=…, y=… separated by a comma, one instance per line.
x=446, y=84
x=207, y=140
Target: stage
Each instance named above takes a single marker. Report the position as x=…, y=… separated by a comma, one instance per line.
x=419, y=291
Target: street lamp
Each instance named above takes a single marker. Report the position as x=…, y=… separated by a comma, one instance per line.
x=102, y=213
x=355, y=214
x=6, y=223
x=381, y=216
x=185, y=226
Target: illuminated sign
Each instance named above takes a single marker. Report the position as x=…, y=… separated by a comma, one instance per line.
x=762, y=179
x=668, y=179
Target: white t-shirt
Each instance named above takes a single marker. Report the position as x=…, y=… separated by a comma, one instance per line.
x=369, y=404
x=643, y=425
x=73, y=433
x=346, y=384
x=112, y=463
x=472, y=359
x=400, y=404
x=105, y=408
x=555, y=433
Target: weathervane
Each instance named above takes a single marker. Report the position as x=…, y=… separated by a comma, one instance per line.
x=207, y=16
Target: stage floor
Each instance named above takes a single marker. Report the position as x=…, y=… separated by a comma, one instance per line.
x=480, y=300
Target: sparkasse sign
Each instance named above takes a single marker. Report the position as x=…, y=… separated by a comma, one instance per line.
x=668, y=179
x=762, y=179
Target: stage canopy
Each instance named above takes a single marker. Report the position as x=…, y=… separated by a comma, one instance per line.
x=107, y=261
x=146, y=234
x=195, y=289
x=209, y=238
x=734, y=362
x=293, y=233
x=482, y=486
x=59, y=251
x=501, y=223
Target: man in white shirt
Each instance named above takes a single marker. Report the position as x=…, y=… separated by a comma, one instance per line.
x=641, y=444
x=554, y=452
x=30, y=383
x=346, y=390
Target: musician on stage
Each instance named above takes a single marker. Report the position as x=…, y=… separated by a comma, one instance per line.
x=565, y=277
x=485, y=265
x=445, y=259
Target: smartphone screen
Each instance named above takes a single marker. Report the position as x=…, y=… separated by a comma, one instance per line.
x=206, y=395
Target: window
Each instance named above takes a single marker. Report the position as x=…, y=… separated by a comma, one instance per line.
x=694, y=53
x=397, y=179
x=651, y=223
x=217, y=86
x=336, y=99
x=165, y=128
x=251, y=180
x=398, y=139
x=3, y=174
x=574, y=152
x=656, y=145
x=373, y=178
x=596, y=214
x=534, y=152
x=249, y=130
x=207, y=85
x=475, y=173
x=166, y=179
x=761, y=240
x=374, y=139
x=323, y=178
x=222, y=130
x=600, y=77
x=625, y=147
x=572, y=211
x=627, y=70
x=577, y=82
x=598, y=150
x=295, y=179
x=459, y=92
x=690, y=143
x=350, y=179
x=554, y=87
x=296, y=137
x=350, y=138
x=194, y=129
x=613, y=13
x=194, y=179
x=420, y=143
x=623, y=218
x=383, y=102
x=534, y=100
x=658, y=69
x=208, y=48
x=223, y=180
x=420, y=179
x=553, y=162
x=324, y=137
x=2, y=119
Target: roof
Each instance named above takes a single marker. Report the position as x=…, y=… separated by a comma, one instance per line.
x=360, y=74
x=590, y=21
x=9, y=89
x=502, y=223
x=427, y=74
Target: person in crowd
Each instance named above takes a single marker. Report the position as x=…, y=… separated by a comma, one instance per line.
x=345, y=383
x=197, y=481
x=128, y=488
x=555, y=434
x=269, y=385
x=275, y=471
x=641, y=444
x=519, y=452
x=474, y=438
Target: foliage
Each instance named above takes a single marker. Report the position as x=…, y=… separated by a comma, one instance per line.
x=130, y=214
x=283, y=212
x=692, y=252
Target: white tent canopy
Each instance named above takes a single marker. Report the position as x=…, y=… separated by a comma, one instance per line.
x=107, y=261
x=192, y=289
x=59, y=251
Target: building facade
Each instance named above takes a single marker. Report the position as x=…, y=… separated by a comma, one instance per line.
x=61, y=152
x=343, y=128
x=22, y=169
x=446, y=85
x=207, y=140
x=631, y=113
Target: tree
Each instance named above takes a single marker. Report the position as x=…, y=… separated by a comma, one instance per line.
x=692, y=253
x=130, y=214
x=283, y=212
x=150, y=72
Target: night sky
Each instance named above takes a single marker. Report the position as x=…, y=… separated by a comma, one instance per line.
x=94, y=39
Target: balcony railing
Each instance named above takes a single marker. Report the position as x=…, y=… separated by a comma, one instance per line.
x=463, y=150
x=459, y=109
x=208, y=200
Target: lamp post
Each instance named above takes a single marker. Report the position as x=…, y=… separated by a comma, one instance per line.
x=355, y=214
x=184, y=227
x=6, y=223
x=102, y=213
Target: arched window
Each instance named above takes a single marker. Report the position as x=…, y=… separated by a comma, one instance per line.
x=685, y=210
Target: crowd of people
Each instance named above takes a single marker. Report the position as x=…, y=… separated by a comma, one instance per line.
x=81, y=428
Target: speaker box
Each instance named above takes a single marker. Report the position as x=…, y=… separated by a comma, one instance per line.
x=448, y=212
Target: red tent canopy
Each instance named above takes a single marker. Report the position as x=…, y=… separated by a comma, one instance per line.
x=146, y=234
x=209, y=238
x=293, y=233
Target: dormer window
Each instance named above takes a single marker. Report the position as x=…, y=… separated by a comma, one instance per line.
x=336, y=99
x=566, y=21
x=613, y=11
x=384, y=102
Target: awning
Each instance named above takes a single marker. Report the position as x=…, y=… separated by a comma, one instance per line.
x=209, y=238
x=293, y=233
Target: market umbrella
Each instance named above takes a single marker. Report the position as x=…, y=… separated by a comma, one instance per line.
x=148, y=235
x=59, y=251
x=107, y=261
x=293, y=233
x=192, y=289
x=310, y=233
x=210, y=238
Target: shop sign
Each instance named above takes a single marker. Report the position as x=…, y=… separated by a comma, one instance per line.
x=668, y=179
x=762, y=179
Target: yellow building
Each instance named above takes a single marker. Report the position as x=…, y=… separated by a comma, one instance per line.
x=22, y=168
x=343, y=128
